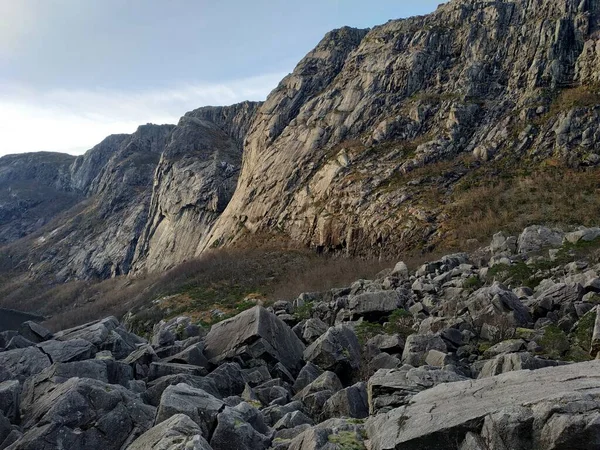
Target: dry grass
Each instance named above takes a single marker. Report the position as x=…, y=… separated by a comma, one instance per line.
x=220, y=278
x=565, y=197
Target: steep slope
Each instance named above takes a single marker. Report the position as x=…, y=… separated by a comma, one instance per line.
x=144, y=199
x=194, y=182
x=336, y=156
x=97, y=239
x=33, y=188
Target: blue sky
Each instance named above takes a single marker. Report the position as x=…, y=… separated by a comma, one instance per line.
x=74, y=71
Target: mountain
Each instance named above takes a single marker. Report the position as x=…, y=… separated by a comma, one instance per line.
x=432, y=131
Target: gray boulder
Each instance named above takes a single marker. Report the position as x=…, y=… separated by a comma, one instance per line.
x=162, y=369
x=68, y=351
x=252, y=334
x=241, y=428
x=228, y=379
x=308, y=374
x=563, y=398
x=81, y=414
x=155, y=388
x=20, y=364
x=497, y=305
x=9, y=400
x=515, y=361
x=34, y=332
x=105, y=334
x=338, y=350
x=373, y=305
x=536, y=237
x=197, y=404
x=418, y=345
x=350, y=402
x=176, y=433
x=329, y=435
x=391, y=388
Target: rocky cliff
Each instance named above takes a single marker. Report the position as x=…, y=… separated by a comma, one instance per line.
x=329, y=156
x=193, y=183
x=405, y=136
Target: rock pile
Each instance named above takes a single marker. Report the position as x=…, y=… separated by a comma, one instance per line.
x=493, y=350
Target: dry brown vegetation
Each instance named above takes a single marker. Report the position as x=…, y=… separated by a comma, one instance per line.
x=221, y=278
x=565, y=197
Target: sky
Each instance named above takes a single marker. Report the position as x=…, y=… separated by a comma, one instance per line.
x=74, y=71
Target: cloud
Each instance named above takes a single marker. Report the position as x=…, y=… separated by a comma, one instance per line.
x=75, y=120
x=18, y=19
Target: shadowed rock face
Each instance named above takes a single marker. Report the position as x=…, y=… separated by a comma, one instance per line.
x=12, y=320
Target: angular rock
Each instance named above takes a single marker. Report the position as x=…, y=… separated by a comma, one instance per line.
x=20, y=364
x=240, y=428
x=536, y=237
x=10, y=392
x=34, y=332
x=176, y=433
x=391, y=388
x=418, y=345
x=82, y=414
x=515, y=361
x=338, y=350
x=252, y=334
x=68, y=351
x=350, y=402
x=373, y=305
x=441, y=417
x=197, y=404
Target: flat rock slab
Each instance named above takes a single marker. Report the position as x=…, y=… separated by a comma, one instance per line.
x=439, y=417
x=258, y=333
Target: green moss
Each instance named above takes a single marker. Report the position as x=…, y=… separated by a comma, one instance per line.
x=473, y=283
x=519, y=273
x=367, y=330
x=555, y=343
x=346, y=440
x=304, y=312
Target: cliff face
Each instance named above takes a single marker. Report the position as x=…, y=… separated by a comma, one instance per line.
x=361, y=148
x=327, y=157
x=140, y=201
x=193, y=183
x=33, y=188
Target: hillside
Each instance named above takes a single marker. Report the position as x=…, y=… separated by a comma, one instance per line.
x=425, y=133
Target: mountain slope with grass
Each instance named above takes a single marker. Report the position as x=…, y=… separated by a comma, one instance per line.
x=432, y=132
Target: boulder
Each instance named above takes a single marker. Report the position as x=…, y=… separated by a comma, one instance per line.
x=338, y=350
x=329, y=435
x=253, y=334
x=228, y=379
x=418, y=345
x=241, y=428
x=498, y=306
x=34, y=332
x=307, y=375
x=156, y=388
x=162, y=369
x=515, y=361
x=390, y=388
x=373, y=305
x=10, y=392
x=20, y=364
x=197, y=404
x=536, y=237
x=105, y=334
x=312, y=329
x=350, y=402
x=68, y=351
x=84, y=414
x=176, y=433
x=564, y=399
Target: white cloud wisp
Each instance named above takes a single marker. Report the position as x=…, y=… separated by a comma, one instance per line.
x=73, y=121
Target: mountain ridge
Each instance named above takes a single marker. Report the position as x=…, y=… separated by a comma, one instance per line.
x=375, y=144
